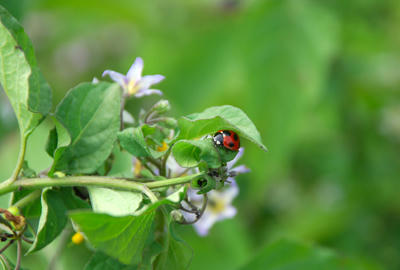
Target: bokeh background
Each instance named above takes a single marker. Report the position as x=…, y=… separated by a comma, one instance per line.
x=320, y=79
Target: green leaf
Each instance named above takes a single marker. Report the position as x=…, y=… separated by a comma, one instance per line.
x=216, y=118
x=189, y=153
x=132, y=140
x=52, y=220
x=123, y=238
x=71, y=201
x=177, y=255
x=100, y=261
x=290, y=255
x=114, y=202
x=19, y=75
x=90, y=113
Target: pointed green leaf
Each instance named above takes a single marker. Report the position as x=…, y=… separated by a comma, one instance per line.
x=132, y=140
x=176, y=255
x=123, y=238
x=52, y=220
x=90, y=113
x=216, y=118
x=120, y=237
x=19, y=75
x=189, y=153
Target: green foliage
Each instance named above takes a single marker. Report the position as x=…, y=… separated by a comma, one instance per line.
x=176, y=253
x=113, y=202
x=133, y=141
x=20, y=77
x=100, y=261
x=123, y=238
x=190, y=153
x=52, y=219
x=216, y=118
x=92, y=124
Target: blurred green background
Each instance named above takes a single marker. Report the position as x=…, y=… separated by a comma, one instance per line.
x=320, y=79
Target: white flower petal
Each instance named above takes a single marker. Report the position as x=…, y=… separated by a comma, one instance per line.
x=147, y=92
x=135, y=71
x=205, y=223
x=231, y=163
x=149, y=80
x=240, y=169
x=229, y=212
x=95, y=80
x=116, y=77
x=230, y=193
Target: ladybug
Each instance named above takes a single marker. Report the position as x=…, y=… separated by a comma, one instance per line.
x=228, y=139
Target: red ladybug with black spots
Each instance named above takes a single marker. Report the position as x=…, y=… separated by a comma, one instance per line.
x=228, y=139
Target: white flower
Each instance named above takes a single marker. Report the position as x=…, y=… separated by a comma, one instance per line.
x=133, y=83
x=219, y=207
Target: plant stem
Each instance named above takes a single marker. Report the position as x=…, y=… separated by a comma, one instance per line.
x=6, y=246
x=163, y=170
x=19, y=254
x=20, y=162
x=97, y=181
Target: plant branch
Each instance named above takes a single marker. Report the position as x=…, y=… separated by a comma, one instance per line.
x=97, y=181
x=19, y=254
x=20, y=162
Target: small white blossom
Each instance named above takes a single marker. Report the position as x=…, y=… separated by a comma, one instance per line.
x=219, y=207
x=133, y=83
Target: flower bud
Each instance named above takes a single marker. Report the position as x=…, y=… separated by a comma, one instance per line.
x=161, y=107
x=177, y=216
x=170, y=122
x=14, y=210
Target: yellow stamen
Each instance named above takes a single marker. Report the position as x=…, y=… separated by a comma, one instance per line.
x=137, y=168
x=216, y=206
x=163, y=147
x=77, y=238
x=132, y=87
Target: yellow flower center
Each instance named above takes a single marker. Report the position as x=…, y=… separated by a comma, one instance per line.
x=163, y=147
x=77, y=238
x=216, y=206
x=132, y=87
x=137, y=168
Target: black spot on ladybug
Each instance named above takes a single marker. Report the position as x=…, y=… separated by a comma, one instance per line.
x=231, y=144
x=227, y=132
x=235, y=137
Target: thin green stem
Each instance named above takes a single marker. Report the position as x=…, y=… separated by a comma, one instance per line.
x=20, y=163
x=174, y=181
x=19, y=254
x=28, y=199
x=163, y=170
x=97, y=181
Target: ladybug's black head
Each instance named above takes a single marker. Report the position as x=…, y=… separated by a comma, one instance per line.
x=219, y=138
